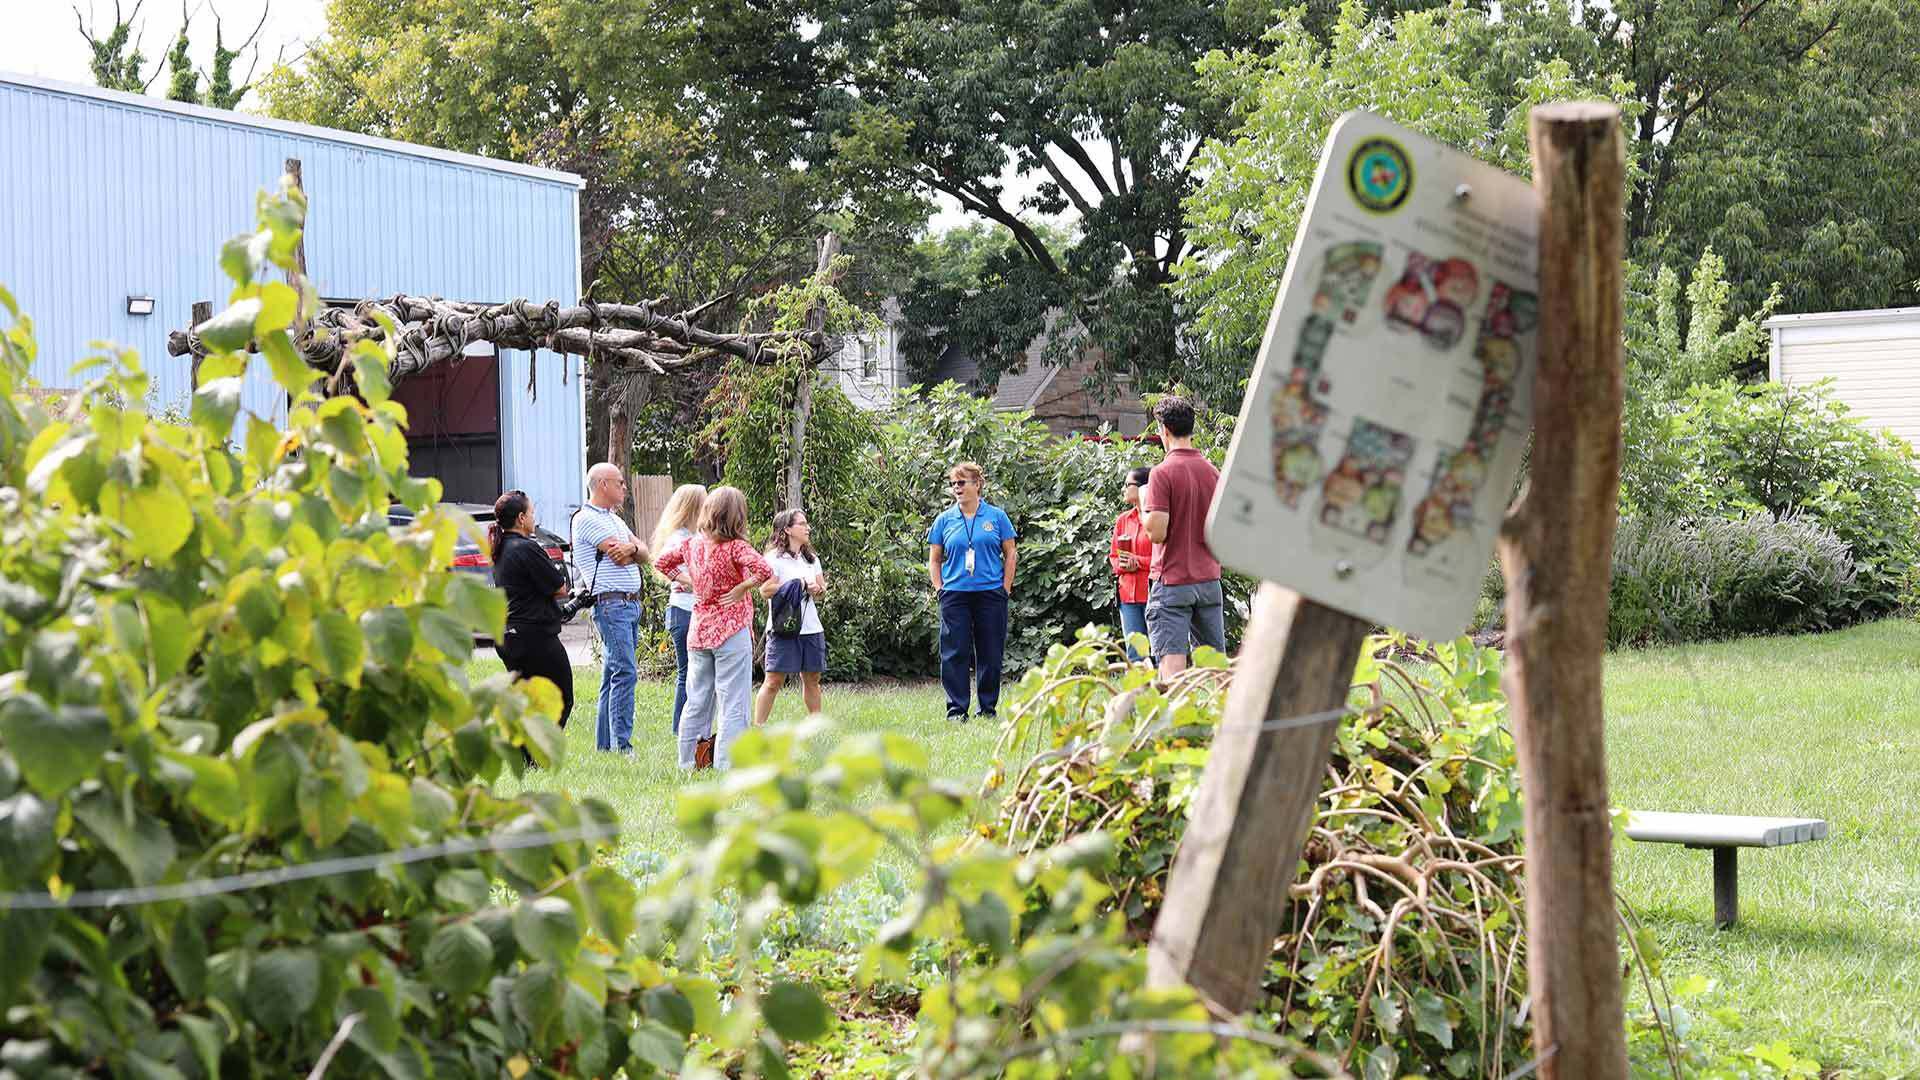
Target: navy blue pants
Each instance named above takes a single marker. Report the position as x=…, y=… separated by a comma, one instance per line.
x=973, y=636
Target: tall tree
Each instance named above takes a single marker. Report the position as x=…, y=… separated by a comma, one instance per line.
x=1776, y=132
x=183, y=81
x=692, y=190
x=117, y=59
x=949, y=270
x=1088, y=107
x=1809, y=185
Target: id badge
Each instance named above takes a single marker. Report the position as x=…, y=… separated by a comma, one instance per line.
x=969, y=560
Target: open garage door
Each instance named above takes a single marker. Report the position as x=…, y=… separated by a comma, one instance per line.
x=453, y=425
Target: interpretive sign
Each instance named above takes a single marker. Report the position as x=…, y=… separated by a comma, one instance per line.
x=1388, y=410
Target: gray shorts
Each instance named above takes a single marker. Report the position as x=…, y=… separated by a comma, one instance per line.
x=1182, y=617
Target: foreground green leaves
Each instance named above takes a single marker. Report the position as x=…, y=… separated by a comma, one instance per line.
x=218, y=660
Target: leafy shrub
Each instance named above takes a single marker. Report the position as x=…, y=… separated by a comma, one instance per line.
x=1794, y=452
x=1713, y=577
x=1401, y=952
x=872, y=488
x=753, y=430
x=217, y=659
x=1062, y=495
x=1017, y=988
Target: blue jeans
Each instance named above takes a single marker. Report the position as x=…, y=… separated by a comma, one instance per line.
x=973, y=635
x=719, y=693
x=619, y=621
x=679, y=621
x=1133, y=620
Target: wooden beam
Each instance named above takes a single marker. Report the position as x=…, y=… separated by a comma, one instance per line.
x=1556, y=548
x=1227, y=892
x=615, y=337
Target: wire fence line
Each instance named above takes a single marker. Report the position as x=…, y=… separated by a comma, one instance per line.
x=260, y=879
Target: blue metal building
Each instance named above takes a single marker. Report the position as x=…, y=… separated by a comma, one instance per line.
x=108, y=198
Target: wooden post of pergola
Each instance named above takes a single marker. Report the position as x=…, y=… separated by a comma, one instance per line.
x=1556, y=548
x=202, y=311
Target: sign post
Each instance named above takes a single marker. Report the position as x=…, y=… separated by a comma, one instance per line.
x=1382, y=430
x=1557, y=550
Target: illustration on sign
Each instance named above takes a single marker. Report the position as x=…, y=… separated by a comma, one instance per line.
x=1387, y=412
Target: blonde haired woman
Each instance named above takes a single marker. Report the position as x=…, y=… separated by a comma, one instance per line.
x=677, y=523
x=725, y=570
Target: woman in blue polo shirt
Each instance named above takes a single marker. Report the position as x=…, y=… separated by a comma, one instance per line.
x=970, y=560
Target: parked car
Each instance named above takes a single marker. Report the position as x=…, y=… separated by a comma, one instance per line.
x=472, y=557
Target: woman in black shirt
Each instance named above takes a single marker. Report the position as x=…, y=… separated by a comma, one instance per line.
x=531, y=645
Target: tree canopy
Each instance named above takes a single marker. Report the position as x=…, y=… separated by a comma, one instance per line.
x=1418, y=70
x=1777, y=132
x=1093, y=108
x=717, y=138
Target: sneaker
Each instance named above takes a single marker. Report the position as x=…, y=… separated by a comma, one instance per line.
x=989, y=718
x=957, y=717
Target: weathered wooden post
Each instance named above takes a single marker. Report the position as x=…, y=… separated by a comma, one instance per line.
x=1228, y=888
x=202, y=311
x=631, y=391
x=298, y=274
x=1556, y=548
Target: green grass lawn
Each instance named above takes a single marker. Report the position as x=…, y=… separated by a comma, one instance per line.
x=1827, y=951
x=642, y=787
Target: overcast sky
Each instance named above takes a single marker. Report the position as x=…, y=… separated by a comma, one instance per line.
x=42, y=37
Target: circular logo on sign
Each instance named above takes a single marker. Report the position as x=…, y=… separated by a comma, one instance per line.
x=1380, y=175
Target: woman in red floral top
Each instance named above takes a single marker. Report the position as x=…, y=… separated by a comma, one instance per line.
x=724, y=569
x=1131, y=555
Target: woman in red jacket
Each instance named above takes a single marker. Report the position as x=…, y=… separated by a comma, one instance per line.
x=1131, y=555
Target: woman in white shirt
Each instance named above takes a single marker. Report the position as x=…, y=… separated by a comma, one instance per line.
x=790, y=553
x=676, y=528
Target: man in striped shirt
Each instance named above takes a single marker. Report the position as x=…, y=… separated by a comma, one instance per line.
x=608, y=557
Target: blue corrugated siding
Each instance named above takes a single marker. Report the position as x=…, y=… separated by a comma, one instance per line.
x=106, y=199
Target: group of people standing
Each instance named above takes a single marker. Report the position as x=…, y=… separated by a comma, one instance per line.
x=712, y=573
x=1168, y=582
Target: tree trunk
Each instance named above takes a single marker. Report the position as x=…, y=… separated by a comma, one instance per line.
x=299, y=248
x=620, y=412
x=803, y=391
x=1556, y=548
x=802, y=412
x=599, y=395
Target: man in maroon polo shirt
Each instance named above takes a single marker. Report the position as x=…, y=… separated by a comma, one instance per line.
x=1185, y=606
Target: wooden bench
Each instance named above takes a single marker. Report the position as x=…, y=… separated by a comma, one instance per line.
x=1724, y=835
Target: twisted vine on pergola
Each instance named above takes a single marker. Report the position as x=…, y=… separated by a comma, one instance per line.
x=616, y=339
x=627, y=346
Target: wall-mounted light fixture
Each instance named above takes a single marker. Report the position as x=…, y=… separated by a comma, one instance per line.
x=139, y=305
